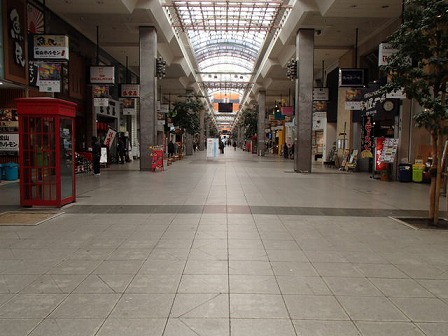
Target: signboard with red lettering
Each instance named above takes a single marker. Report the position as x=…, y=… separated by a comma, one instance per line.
x=54, y=47
x=379, y=146
x=130, y=90
x=110, y=136
x=102, y=75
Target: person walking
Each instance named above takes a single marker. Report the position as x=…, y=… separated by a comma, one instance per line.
x=285, y=151
x=96, y=155
x=170, y=149
x=234, y=145
x=121, y=150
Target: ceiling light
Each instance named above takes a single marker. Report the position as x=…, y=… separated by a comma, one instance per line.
x=1, y=83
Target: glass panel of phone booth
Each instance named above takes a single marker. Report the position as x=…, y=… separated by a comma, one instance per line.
x=39, y=158
x=66, y=158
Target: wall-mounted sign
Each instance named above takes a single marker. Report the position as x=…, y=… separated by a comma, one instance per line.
x=9, y=142
x=129, y=106
x=53, y=47
x=49, y=77
x=351, y=77
x=385, y=50
x=130, y=90
x=287, y=110
x=102, y=75
x=353, y=99
x=100, y=95
x=15, y=42
x=321, y=94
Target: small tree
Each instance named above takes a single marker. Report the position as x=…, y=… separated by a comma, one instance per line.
x=249, y=120
x=185, y=114
x=420, y=69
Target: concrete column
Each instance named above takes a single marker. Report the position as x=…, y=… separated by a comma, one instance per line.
x=148, y=94
x=201, y=129
x=304, y=100
x=260, y=125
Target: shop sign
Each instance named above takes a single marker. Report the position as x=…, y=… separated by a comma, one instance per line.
x=367, y=134
x=9, y=142
x=371, y=99
x=9, y=118
x=130, y=90
x=385, y=50
x=16, y=65
x=129, y=106
x=353, y=99
x=379, y=145
x=100, y=95
x=49, y=77
x=54, y=47
x=319, y=106
x=110, y=136
x=102, y=75
x=321, y=94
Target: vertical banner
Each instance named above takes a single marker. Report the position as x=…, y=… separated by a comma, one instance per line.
x=212, y=148
x=110, y=136
x=379, y=146
x=367, y=136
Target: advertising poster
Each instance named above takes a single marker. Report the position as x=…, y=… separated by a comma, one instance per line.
x=129, y=106
x=353, y=99
x=379, y=146
x=100, y=95
x=212, y=148
x=49, y=77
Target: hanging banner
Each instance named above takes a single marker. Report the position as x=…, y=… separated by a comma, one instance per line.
x=321, y=94
x=102, y=75
x=110, y=136
x=379, y=145
x=353, y=99
x=367, y=136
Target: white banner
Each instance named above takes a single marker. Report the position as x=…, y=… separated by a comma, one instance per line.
x=110, y=136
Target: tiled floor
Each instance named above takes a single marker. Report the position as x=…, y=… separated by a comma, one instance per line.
x=238, y=246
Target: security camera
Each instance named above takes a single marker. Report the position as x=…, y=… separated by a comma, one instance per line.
x=318, y=32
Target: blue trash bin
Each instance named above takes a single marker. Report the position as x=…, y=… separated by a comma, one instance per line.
x=11, y=171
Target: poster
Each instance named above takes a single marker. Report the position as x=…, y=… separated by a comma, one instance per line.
x=212, y=148
x=49, y=77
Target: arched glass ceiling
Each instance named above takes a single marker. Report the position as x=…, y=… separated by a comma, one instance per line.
x=226, y=37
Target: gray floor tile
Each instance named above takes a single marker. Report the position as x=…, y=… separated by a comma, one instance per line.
x=132, y=327
x=250, y=267
x=197, y=327
x=207, y=267
x=31, y=306
x=423, y=309
x=143, y=306
x=68, y=327
x=204, y=284
x=54, y=284
x=343, y=270
x=381, y=271
x=257, y=306
x=389, y=328
x=201, y=306
x=86, y=306
x=302, y=307
x=104, y=284
x=17, y=327
x=352, y=286
x=437, y=287
x=371, y=309
x=400, y=288
x=154, y=284
x=434, y=329
x=325, y=328
x=261, y=327
x=14, y=283
x=302, y=285
x=293, y=268
x=130, y=266
x=253, y=284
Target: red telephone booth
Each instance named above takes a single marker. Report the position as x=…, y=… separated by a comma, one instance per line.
x=46, y=151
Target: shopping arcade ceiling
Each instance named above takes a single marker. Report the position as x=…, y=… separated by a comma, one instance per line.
x=226, y=38
x=119, y=21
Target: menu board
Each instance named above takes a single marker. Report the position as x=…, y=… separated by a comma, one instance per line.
x=389, y=151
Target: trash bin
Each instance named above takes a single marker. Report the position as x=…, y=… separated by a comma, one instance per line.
x=417, y=172
x=405, y=172
x=11, y=171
